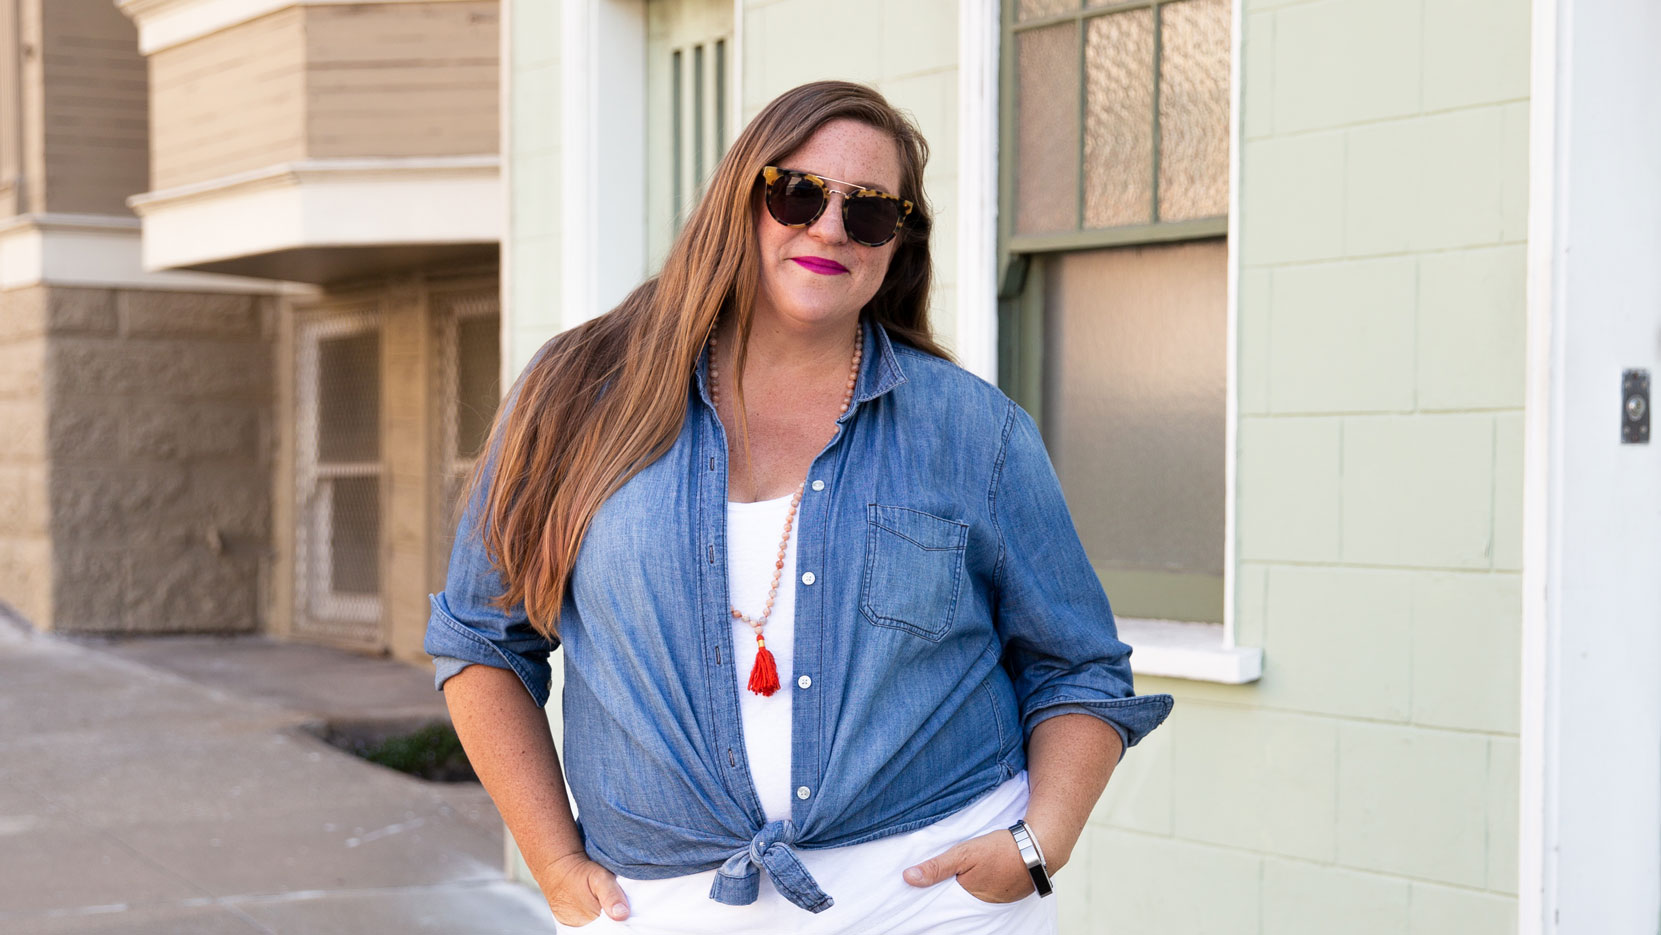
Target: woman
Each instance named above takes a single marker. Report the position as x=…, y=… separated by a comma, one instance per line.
x=834, y=656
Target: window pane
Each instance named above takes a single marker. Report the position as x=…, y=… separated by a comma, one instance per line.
x=1193, y=109
x=1118, y=123
x=349, y=398
x=355, y=535
x=1035, y=9
x=478, y=378
x=1046, y=192
x=1135, y=344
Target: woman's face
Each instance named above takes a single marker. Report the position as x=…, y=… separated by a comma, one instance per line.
x=815, y=275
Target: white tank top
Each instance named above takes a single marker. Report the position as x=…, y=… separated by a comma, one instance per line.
x=864, y=879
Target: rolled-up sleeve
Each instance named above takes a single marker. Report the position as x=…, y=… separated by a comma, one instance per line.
x=465, y=627
x=1061, y=646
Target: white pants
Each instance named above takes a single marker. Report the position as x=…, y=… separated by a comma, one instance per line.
x=871, y=896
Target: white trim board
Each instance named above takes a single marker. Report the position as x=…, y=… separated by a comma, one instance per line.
x=101, y=251
x=163, y=24
x=1589, y=844
x=980, y=28
x=505, y=267
x=1182, y=650
x=324, y=202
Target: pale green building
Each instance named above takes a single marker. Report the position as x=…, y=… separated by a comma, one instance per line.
x=1268, y=274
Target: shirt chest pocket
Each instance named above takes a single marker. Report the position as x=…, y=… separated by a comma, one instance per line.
x=913, y=570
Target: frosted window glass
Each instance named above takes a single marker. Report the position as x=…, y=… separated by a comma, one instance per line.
x=1193, y=109
x=1046, y=188
x=1118, y=141
x=1037, y=9
x=1135, y=351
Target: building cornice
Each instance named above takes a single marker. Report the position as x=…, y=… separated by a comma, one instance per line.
x=324, y=204
x=100, y=251
x=166, y=23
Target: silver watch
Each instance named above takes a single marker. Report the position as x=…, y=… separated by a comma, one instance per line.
x=1034, y=856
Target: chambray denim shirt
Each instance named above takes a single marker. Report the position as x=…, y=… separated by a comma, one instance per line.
x=944, y=608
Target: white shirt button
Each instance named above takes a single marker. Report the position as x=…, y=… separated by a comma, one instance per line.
x=802, y=793
x=807, y=577
x=804, y=681
x=818, y=485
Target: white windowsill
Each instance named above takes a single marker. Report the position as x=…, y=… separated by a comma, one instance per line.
x=1183, y=650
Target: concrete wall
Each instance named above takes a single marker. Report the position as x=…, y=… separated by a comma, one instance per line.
x=1368, y=783
x=158, y=429
x=136, y=501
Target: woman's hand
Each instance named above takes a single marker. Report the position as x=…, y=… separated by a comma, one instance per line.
x=577, y=888
x=989, y=867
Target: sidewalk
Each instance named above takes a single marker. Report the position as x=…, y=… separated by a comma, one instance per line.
x=164, y=787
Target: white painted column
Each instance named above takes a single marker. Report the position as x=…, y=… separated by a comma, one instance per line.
x=1590, y=823
x=977, y=186
x=603, y=132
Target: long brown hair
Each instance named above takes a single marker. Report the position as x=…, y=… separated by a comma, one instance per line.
x=565, y=446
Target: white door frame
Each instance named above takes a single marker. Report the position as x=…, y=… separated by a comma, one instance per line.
x=1589, y=845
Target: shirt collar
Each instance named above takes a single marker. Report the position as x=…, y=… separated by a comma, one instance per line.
x=879, y=369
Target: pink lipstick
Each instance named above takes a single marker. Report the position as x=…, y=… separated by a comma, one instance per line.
x=820, y=265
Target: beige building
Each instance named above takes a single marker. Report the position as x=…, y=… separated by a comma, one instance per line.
x=248, y=310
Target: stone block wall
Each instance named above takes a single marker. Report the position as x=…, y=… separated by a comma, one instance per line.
x=141, y=500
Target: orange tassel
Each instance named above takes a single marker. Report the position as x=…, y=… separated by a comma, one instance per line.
x=764, y=677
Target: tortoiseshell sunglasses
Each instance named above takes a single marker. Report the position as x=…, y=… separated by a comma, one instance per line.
x=869, y=216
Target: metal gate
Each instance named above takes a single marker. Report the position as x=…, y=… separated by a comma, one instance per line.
x=469, y=390
x=338, y=473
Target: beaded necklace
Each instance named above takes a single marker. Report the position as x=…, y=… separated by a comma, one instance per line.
x=764, y=675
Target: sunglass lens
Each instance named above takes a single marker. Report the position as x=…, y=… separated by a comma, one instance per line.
x=794, y=200
x=872, y=220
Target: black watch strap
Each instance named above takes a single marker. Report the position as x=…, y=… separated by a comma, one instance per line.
x=1034, y=857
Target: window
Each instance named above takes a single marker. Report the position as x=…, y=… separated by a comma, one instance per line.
x=1114, y=324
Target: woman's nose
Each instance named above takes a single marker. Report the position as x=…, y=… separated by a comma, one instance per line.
x=828, y=227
